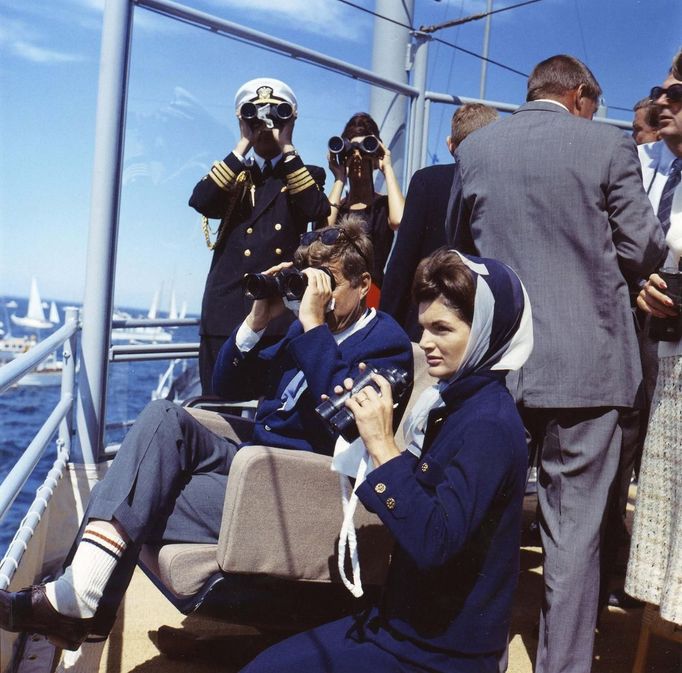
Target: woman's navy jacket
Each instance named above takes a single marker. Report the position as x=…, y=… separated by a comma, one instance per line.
x=455, y=514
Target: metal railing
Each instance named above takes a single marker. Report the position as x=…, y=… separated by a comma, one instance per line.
x=60, y=419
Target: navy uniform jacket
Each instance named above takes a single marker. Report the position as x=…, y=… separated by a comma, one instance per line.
x=421, y=232
x=266, y=372
x=456, y=517
x=256, y=236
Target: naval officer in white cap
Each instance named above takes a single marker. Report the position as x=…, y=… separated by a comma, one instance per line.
x=264, y=203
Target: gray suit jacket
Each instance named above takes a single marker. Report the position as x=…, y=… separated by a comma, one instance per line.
x=560, y=200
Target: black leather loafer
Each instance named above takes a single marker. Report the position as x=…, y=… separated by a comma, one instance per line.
x=29, y=611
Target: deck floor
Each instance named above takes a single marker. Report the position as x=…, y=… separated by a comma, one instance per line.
x=147, y=616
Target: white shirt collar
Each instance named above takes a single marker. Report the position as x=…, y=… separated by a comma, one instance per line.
x=260, y=161
x=549, y=100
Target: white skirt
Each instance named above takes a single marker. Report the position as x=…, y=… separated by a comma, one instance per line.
x=654, y=573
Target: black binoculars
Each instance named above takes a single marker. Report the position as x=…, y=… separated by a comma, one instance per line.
x=268, y=113
x=289, y=283
x=340, y=147
x=339, y=418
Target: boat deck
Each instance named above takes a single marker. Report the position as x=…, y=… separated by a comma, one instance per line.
x=147, y=620
x=614, y=650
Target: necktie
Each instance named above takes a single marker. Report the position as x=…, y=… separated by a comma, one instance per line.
x=666, y=203
x=267, y=169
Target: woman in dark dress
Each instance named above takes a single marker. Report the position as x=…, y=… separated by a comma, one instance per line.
x=356, y=164
x=452, y=500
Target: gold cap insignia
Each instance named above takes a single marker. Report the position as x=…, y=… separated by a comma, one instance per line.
x=264, y=93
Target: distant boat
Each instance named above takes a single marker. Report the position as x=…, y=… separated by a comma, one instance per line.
x=11, y=304
x=54, y=314
x=141, y=334
x=35, y=316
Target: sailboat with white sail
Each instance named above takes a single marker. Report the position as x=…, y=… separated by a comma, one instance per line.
x=35, y=315
x=156, y=334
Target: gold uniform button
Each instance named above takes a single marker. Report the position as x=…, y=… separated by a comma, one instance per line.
x=425, y=467
x=267, y=428
x=390, y=503
x=278, y=227
x=380, y=488
x=278, y=251
x=249, y=230
x=247, y=253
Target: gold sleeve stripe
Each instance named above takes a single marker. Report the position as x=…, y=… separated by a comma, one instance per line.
x=219, y=176
x=224, y=170
x=297, y=183
x=305, y=185
x=297, y=173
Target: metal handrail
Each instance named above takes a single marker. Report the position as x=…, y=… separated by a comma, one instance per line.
x=119, y=323
x=24, y=363
x=219, y=25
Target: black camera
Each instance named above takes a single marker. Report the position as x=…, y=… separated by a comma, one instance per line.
x=339, y=418
x=340, y=147
x=271, y=115
x=290, y=283
x=669, y=329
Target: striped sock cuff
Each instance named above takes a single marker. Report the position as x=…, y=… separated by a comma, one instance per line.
x=112, y=544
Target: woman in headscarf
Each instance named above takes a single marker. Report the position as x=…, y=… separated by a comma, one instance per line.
x=452, y=501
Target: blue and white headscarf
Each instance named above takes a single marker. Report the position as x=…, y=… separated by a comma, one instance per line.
x=501, y=337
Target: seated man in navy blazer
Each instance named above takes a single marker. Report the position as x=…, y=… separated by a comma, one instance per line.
x=168, y=481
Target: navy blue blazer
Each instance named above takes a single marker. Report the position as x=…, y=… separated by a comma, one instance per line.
x=267, y=371
x=456, y=517
x=421, y=232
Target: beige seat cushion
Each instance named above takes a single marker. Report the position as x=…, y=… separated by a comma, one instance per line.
x=282, y=515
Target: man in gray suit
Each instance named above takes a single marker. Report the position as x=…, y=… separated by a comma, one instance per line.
x=559, y=198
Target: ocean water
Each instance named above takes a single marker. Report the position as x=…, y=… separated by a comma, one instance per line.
x=23, y=410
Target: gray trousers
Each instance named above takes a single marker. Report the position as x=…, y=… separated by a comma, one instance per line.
x=166, y=484
x=579, y=454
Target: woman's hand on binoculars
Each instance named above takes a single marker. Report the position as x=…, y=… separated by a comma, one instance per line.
x=653, y=300
x=265, y=310
x=315, y=299
x=384, y=161
x=373, y=413
x=337, y=170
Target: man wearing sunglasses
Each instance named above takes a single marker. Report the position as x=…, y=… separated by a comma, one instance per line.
x=263, y=204
x=168, y=480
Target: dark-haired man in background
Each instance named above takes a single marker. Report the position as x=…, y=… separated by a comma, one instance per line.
x=421, y=228
x=560, y=199
x=645, y=122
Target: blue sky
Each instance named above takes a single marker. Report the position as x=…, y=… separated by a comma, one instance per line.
x=180, y=116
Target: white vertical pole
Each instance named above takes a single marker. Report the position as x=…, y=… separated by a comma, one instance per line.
x=102, y=236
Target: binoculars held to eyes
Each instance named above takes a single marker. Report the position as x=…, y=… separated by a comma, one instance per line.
x=339, y=419
x=289, y=283
x=268, y=113
x=340, y=147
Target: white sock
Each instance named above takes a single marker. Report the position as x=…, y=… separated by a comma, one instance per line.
x=78, y=591
x=85, y=659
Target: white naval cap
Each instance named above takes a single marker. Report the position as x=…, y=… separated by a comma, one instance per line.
x=264, y=90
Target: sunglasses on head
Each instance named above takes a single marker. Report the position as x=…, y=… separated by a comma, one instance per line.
x=330, y=237
x=673, y=93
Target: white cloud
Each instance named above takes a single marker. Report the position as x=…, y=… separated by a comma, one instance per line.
x=22, y=42
x=332, y=19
